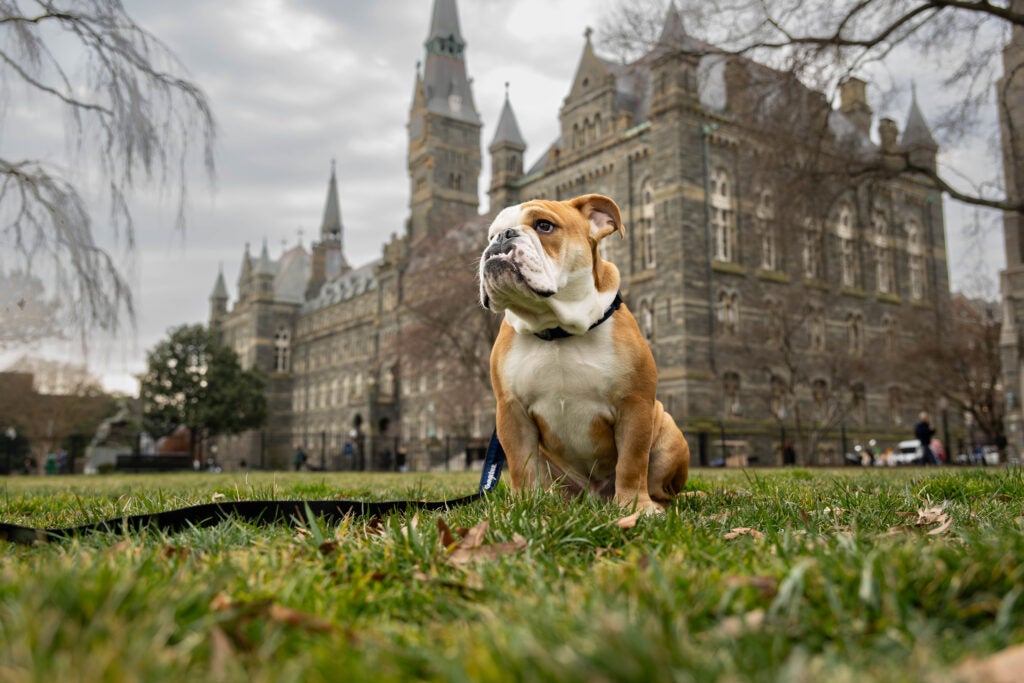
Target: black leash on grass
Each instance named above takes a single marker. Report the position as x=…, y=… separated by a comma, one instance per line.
x=259, y=511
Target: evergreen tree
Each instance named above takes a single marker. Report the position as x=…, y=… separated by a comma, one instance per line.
x=193, y=381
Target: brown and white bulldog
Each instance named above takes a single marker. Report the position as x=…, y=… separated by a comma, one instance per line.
x=574, y=380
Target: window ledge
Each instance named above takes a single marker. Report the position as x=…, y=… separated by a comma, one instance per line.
x=772, y=276
x=728, y=267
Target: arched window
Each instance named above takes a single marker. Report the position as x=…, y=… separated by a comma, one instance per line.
x=646, y=319
x=723, y=214
x=915, y=254
x=778, y=399
x=647, y=242
x=848, y=267
x=282, y=349
x=818, y=329
x=764, y=222
x=885, y=275
x=731, y=393
x=859, y=403
x=728, y=312
x=811, y=250
x=855, y=333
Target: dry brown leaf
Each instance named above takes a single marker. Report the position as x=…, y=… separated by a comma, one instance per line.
x=1002, y=667
x=736, y=626
x=221, y=651
x=768, y=586
x=327, y=547
x=471, y=547
x=743, y=531
x=220, y=602
x=691, y=494
x=411, y=526
x=295, y=618
x=923, y=518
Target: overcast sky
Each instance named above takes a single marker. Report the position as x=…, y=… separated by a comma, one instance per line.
x=295, y=84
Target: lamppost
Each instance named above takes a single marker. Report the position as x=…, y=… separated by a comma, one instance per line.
x=944, y=407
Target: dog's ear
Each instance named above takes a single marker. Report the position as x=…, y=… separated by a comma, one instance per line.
x=602, y=214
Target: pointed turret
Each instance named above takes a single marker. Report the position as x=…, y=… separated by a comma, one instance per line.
x=219, y=297
x=508, y=128
x=506, y=158
x=444, y=132
x=917, y=140
x=673, y=33
x=264, y=275
x=331, y=228
x=245, y=275
x=445, y=83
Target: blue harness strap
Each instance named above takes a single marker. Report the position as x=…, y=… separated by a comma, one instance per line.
x=493, y=463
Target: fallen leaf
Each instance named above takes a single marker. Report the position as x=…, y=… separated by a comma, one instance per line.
x=1002, y=667
x=923, y=518
x=221, y=651
x=411, y=526
x=768, y=586
x=327, y=547
x=295, y=618
x=736, y=626
x=743, y=531
x=217, y=496
x=220, y=602
x=471, y=547
x=691, y=494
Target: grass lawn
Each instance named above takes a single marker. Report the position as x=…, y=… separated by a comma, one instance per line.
x=763, y=575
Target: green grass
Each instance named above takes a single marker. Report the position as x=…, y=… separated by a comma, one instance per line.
x=838, y=585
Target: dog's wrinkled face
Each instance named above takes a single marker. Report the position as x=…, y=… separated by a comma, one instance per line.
x=542, y=249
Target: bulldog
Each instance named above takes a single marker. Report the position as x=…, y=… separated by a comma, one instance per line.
x=574, y=380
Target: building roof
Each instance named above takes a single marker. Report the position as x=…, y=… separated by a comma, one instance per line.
x=348, y=285
x=508, y=128
x=445, y=84
x=916, y=133
x=331, y=226
x=220, y=290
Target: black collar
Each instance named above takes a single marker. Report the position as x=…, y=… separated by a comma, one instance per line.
x=554, y=333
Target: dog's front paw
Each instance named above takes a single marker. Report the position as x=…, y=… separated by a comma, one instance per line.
x=642, y=510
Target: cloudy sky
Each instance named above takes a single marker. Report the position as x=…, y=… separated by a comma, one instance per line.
x=295, y=84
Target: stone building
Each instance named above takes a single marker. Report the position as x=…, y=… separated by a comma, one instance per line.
x=744, y=235
x=1010, y=101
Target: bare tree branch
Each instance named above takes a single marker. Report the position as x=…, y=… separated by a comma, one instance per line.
x=129, y=112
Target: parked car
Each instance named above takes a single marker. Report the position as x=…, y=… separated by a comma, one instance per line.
x=909, y=452
x=989, y=453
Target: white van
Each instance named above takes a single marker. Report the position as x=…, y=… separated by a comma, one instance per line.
x=910, y=453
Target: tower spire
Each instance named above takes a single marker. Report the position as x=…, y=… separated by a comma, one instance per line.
x=446, y=86
x=331, y=227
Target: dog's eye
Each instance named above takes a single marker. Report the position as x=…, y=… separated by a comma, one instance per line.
x=544, y=227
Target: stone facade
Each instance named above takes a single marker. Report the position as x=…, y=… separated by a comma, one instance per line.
x=719, y=233
x=1010, y=99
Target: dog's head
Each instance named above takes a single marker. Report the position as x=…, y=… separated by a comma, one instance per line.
x=542, y=263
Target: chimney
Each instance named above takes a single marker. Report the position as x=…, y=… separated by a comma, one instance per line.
x=853, y=102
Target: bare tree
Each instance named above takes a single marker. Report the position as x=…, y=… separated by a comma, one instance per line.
x=822, y=43
x=128, y=116
x=447, y=329
x=966, y=370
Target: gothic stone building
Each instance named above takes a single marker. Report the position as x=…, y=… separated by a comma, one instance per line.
x=741, y=240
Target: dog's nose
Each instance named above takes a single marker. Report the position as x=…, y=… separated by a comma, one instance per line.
x=505, y=235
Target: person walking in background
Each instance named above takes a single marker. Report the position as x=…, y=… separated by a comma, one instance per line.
x=300, y=457
x=923, y=432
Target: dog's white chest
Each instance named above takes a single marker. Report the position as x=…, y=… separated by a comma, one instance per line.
x=569, y=384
